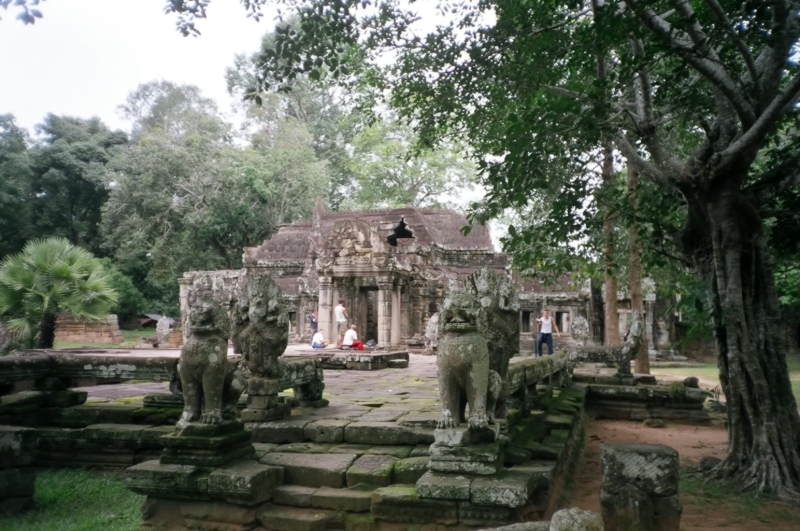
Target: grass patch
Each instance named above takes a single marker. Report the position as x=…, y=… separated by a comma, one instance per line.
x=695, y=489
x=133, y=336
x=78, y=500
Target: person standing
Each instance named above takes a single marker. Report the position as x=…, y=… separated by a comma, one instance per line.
x=351, y=339
x=340, y=312
x=546, y=326
x=313, y=322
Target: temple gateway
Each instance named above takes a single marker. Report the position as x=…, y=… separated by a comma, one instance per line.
x=392, y=267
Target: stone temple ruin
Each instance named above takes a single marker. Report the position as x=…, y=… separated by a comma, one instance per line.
x=392, y=268
x=242, y=430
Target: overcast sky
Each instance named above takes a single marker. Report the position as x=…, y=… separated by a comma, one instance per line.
x=85, y=56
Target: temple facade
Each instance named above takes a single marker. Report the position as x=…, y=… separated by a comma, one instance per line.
x=391, y=267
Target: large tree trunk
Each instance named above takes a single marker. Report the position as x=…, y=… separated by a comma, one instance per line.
x=641, y=364
x=725, y=237
x=47, y=331
x=611, y=318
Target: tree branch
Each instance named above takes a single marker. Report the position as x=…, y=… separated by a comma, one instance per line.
x=744, y=50
x=632, y=154
x=756, y=134
x=711, y=69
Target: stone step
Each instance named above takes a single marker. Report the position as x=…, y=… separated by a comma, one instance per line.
x=312, y=470
x=280, y=518
x=356, y=499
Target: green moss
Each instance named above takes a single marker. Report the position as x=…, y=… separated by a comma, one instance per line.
x=130, y=400
x=677, y=391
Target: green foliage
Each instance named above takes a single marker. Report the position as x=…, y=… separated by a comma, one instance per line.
x=130, y=301
x=49, y=277
x=15, y=186
x=78, y=500
x=388, y=172
x=69, y=186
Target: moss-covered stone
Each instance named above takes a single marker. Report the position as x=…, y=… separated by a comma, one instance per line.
x=409, y=470
x=373, y=469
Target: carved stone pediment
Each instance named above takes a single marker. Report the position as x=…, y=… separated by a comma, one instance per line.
x=352, y=242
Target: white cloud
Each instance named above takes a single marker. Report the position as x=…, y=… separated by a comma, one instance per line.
x=85, y=56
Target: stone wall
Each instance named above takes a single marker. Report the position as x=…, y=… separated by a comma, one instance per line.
x=71, y=330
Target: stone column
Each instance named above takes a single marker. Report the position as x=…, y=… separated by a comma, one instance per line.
x=384, y=311
x=324, y=317
x=397, y=323
x=640, y=487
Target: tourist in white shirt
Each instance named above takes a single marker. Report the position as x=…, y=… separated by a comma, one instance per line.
x=351, y=339
x=546, y=326
x=318, y=341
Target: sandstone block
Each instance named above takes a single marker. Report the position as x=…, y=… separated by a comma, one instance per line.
x=408, y=471
x=304, y=448
x=652, y=468
x=419, y=420
x=280, y=431
x=483, y=516
x=245, y=482
x=484, y=453
x=421, y=450
x=575, y=519
x=373, y=469
x=356, y=499
x=466, y=467
x=312, y=470
x=401, y=503
x=385, y=433
x=506, y=489
x=463, y=436
x=293, y=495
x=152, y=478
x=360, y=522
x=263, y=386
x=541, y=472
x=277, y=518
x=444, y=486
x=395, y=451
x=630, y=509
x=326, y=430
x=281, y=411
x=262, y=401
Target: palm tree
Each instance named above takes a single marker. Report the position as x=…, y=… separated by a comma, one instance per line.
x=47, y=278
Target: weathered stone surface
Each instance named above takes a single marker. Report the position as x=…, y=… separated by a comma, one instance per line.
x=206, y=451
x=304, y=448
x=277, y=518
x=395, y=451
x=373, y=469
x=482, y=515
x=312, y=470
x=17, y=482
x=17, y=446
x=466, y=467
x=408, y=471
x=258, y=386
x=326, y=430
x=419, y=420
x=293, y=495
x=152, y=478
x=630, y=509
x=244, y=481
x=400, y=503
x=421, y=450
x=463, y=436
x=507, y=489
x=484, y=453
x=360, y=522
x=444, y=486
x=385, y=433
x=280, y=431
x=540, y=471
x=357, y=449
x=355, y=499
x=575, y=520
x=652, y=468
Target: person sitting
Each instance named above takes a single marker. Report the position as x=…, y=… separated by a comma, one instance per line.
x=351, y=339
x=318, y=341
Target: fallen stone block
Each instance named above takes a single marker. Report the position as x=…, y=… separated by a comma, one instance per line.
x=652, y=468
x=312, y=470
x=575, y=519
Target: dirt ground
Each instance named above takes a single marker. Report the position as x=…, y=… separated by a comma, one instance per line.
x=701, y=511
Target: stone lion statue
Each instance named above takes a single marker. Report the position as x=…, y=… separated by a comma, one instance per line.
x=465, y=378
x=500, y=324
x=204, y=369
x=260, y=329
